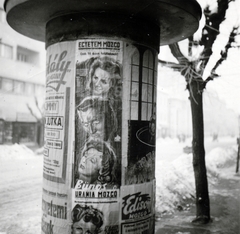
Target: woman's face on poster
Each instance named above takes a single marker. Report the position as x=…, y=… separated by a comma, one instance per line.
x=90, y=163
x=92, y=122
x=101, y=81
x=82, y=227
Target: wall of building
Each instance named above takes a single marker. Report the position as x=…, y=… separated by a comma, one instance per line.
x=22, y=84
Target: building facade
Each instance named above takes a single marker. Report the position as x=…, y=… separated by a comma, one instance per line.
x=22, y=86
x=174, y=118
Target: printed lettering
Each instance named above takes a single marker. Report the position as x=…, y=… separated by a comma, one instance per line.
x=54, y=210
x=47, y=228
x=86, y=186
x=54, y=121
x=107, y=194
x=58, y=67
x=136, y=205
x=85, y=194
x=51, y=106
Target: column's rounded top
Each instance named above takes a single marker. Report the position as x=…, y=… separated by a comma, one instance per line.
x=178, y=19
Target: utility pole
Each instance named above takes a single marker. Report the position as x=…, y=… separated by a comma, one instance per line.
x=101, y=80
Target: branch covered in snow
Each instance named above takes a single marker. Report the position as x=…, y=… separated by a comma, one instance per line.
x=224, y=53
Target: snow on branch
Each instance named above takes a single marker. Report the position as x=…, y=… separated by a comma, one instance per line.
x=224, y=53
x=211, y=29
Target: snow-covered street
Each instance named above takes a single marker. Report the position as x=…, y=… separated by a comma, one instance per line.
x=21, y=180
x=20, y=190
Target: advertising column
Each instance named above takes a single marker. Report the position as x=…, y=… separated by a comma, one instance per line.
x=99, y=157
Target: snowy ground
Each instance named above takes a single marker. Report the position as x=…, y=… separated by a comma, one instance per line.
x=175, y=178
x=21, y=180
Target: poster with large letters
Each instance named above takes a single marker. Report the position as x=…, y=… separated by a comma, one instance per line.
x=58, y=149
x=137, y=209
x=98, y=114
x=59, y=91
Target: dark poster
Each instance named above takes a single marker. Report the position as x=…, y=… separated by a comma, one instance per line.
x=141, y=152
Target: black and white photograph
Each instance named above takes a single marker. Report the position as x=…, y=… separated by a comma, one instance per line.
x=120, y=117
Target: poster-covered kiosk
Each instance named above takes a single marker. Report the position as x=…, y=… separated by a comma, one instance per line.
x=100, y=107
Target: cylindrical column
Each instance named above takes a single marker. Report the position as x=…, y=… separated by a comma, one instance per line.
x=99, y=165
x=101, y=77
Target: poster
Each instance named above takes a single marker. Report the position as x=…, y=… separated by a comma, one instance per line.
x=95, y=202
x=98, y=116
x=59, y=90
x=141, y=160
x=98, y=99
x=137, y=210
x=55, y=213
x=56, y=198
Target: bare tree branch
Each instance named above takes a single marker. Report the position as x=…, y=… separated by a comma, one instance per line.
x=32, y=113
x=224, y=52
x=178, y=54
x=38, y=107
x=211, y=30
x=190, y=45
x=174, y=66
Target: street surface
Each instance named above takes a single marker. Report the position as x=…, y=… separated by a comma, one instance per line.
x=20, y=196
x=225, y=210
x=21, y=189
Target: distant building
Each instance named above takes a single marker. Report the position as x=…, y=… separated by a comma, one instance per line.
x=174, y=112
x=180, y=121
x=173, y=116
x=22, y=82
x=162, y=114
x=218, y=119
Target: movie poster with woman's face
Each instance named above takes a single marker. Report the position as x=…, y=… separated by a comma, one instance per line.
x=98, y=114
x=98, y=103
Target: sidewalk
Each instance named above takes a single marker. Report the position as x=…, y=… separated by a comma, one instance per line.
x=224, y=205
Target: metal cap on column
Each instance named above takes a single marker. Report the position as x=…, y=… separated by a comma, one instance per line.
x=177, y=19
x=100, y=108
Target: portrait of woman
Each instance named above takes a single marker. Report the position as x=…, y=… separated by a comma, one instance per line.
x=86, y=220
x=97, y=164
x=104, y=74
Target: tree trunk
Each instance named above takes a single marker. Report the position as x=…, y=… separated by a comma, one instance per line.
x=200, y=173
x=238, y=156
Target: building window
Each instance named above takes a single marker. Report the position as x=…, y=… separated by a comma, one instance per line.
x=143, y=84
x=27, y=56
x=19, y=87
x=39, y=90
x=7, y=85
x=8, y=129
x=24, y=132
x=135, y=85
x=6, y=51
x=22, y=57
x=29, y=88
x=147, y=85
